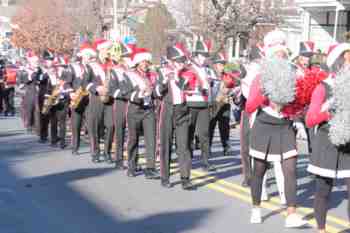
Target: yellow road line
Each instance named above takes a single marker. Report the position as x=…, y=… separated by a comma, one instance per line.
x=266, y=205
x=275, y=200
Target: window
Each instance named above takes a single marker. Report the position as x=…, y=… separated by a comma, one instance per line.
x=4, y=3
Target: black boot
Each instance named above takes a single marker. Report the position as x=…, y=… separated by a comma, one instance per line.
x=187, y=184
x=43, y=140
x=131, y=173
x=63, y=145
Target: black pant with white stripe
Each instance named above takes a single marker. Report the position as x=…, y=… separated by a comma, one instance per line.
x=100, y=121
x=174, y=119
x=200, y=117
x=139, y=118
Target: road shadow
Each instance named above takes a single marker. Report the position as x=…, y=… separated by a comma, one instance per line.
x=50, y=203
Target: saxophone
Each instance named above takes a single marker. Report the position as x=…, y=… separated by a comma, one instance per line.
x=80, y=93
x=51, y=100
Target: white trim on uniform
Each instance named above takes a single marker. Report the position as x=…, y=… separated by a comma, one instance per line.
x=343, y=174
x=195, y=98
x=272, y=157
x=321, y=171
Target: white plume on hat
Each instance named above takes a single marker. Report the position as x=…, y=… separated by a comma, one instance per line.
x=275, y=41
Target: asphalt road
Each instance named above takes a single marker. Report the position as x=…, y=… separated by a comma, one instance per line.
x=46, y=190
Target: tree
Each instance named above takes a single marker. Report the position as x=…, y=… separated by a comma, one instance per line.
x=87, y=16
x=42, y=25
x=153, y=33
x=225, y=19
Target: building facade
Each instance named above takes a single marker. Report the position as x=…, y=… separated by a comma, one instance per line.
x=324, y=21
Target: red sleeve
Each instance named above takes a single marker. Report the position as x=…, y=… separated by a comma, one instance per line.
x=255, y=98
x=314, y=116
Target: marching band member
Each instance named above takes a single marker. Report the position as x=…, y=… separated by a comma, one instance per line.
x=116, y=91
x=55, y=101
x=328, y=113
x=272, y=134
x=303, y=60
x=79, y=98
x=59, y=112
x=198, y=101
x=174, y=117
x=100, y=110
x=44, y=89
x=221, y=103
x=27, y=82
x=140, y=114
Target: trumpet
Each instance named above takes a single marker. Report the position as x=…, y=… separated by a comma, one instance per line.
x=80, y=93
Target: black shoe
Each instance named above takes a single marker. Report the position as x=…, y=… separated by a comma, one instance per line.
x=6, y=114
x=245, y=183
x=138, y=169
x=75, y=152
x=227, y=151
x=151, y=174
x=131, y=173
x=43, y=140
x=95, y=158
x=53, y=144
x=118, y=165
x=165, y=184
x=102, y=157
x=108, y=158
x=63, y=145
x=209, y=168
x=187, y=185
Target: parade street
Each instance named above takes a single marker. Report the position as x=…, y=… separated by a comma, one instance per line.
x=45, y=190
